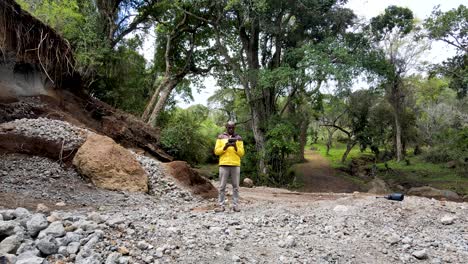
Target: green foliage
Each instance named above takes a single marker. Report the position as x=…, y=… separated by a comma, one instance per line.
x=279, y=150
x=452, y=28
x=125, y=80
x=394, y=18
x=452, y=145
x=189, y=136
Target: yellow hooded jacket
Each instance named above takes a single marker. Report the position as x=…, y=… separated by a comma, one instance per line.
x=229, y=157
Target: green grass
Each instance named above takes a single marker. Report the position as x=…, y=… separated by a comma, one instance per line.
x=418, y=172
x=336, y=152
x=424, y=173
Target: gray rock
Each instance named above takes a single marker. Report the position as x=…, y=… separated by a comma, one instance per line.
x=73, y=237
x=87, y=256
x=1, y=217
x=87, y=225
x=63, y=251
x=420, y=254
x=8, y=259
x=7, y=214
x=448, y=219
x=28, y=246
x=142, y=245
x=7, y=228
x=47, y=245
x=91, y=242
x=36, y=223
x=55, y=229
x=236, y=258
x=148, y=259
x=28, y=259
x=21, y=213
x=95, y=217
x=125, y=260
x=159, y=252
x=406, y=240
x=10, y=244
x=115, y=221
x=393, y=239
x=428, y=191
x=113, y=258
x=73, y=247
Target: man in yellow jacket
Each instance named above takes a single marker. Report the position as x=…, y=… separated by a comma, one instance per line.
x=230, y=149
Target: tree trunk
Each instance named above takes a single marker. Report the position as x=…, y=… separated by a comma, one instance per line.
x=166, y=90
x=303, y=137
x=149, y=107
x=259, y=137
x=398, y=137
x=349, y=147
x=330, y=138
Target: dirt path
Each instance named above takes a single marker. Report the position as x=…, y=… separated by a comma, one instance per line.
x=318, y=176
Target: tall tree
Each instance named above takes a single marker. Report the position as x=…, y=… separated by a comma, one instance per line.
x=451, y=27
x=252, y=37
x=392, y=33
x=183, y=48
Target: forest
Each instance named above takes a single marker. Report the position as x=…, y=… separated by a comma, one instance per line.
x=294, y=75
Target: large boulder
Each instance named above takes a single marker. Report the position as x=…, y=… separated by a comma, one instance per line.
x=431, y=192
x=378, y=186
x=109, y=165
x=188, y=178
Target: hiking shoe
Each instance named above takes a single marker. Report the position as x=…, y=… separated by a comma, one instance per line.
x=219, y=209
x=236, y=209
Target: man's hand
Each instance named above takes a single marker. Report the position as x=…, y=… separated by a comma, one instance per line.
x=230, y=144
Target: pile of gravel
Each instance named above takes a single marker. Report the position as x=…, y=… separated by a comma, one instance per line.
x=347, y=230
x=35, y=238
x=43, y=179
x=159, y=184
x=49, y=129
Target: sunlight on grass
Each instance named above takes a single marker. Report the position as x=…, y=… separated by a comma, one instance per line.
x=336, y=152
x=418, y=172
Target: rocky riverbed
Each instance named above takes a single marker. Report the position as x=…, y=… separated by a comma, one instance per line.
x=50, y=214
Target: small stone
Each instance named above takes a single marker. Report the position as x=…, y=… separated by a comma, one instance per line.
x=29, y=247
x=148, y=259
x=7, y=228
x=341, y=208
x=63, y=251
x=53, y=218
x=61, y=204
x=236, y=258
x=55, y=229
x=406, y=240
x=96, y=217
x=248, y=183
x=123, y=250
x=420, y=254
x=142, y=245
x=28, y=259
x=393, y=239
x=10, y=244
x=47, y=245
x=21, y=213
x=37, y=223
x=126, y=260
x=42, y=208
x=448, y=219
x=290, y=242
x=8, y=258
x=113, y=258
x=73, y=247
x=115, y=221
x=159, y=252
